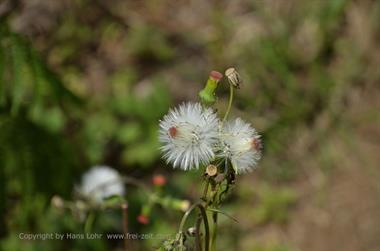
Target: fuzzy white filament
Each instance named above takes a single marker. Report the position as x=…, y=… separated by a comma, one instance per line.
x=101, y=182
x=188, y=134
x=240, y=143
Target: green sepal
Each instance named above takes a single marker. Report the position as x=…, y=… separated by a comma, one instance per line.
x=207, y=95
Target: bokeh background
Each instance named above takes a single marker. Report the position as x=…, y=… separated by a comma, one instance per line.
x=85, y=82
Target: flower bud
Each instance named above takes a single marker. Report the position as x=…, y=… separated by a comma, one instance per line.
x=159, y=180
x=215, y=75
x=207, y=95
x=143, y=219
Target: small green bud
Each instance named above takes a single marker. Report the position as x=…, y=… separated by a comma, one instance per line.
x=207, y=95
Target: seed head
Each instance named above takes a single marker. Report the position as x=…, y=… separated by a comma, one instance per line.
x=101, y=182
x=233, y=77
x=240, y=143
x=188, y=134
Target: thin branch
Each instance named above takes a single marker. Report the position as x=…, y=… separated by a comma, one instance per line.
x=124, y=207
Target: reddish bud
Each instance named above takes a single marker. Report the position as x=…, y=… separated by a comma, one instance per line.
x=159, y=180
x=172, y=131
x=143, y=219
x=216, y=75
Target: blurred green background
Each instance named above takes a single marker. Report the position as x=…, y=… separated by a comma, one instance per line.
x=85, y=82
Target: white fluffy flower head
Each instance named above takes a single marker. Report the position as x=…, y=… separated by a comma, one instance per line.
x=188, y=135
x=101, y=182
x=240, y=143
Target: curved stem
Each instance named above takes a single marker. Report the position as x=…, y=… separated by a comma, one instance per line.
x=205, y=222
x=185, y=216
x=229, y=103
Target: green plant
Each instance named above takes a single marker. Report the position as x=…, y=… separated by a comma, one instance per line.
x=192, y=136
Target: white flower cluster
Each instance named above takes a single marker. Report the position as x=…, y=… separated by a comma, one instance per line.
x=192, y=136
x=101, y=182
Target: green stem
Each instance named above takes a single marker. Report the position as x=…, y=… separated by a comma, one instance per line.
x=198, y=242
x=205, y=191
x=185, y=216
x=89, y=222
x=214, y=231
x=206, y=226
x=205, y=222
x=229, y=103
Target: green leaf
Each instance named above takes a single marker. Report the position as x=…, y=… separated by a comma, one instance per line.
x=43, y=72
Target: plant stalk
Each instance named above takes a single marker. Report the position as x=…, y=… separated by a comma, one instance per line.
x=124, y=207
x=214, y=231
x=231, y=98
x=203, y=214
x=89, y=222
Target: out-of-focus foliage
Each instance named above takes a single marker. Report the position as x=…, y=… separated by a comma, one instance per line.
x=273, y=205
x=85, y=82
x=48, y=134
x=32, y=154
